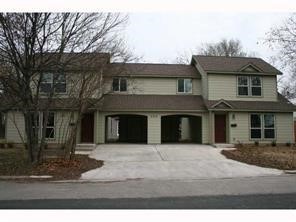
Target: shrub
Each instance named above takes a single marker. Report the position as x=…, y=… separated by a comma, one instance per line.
x=273, y=143
x=256, y=143
x=288, y=144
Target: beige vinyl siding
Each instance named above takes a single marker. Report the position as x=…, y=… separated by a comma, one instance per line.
x=154, y=129
x=100, y=126
x=204, y=81
x=241, y=133
x=205, y=128
x=15, y=124
x=225, y=87
x=285, y=127
x=154, y=86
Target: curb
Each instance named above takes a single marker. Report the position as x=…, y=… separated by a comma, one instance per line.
x=26, y=177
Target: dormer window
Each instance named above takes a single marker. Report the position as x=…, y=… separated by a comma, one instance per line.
x=249, y=85
x=119, y=85
x=52, y=81
x=184, y=86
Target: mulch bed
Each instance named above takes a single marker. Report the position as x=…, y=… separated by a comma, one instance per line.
x=280, y=157
x=14, y=163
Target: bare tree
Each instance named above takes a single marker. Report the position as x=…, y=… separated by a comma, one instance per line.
x=232, y=47
x=33, y=44
x=282, y=39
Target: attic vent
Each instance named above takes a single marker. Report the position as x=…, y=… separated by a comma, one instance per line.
x=250, y=68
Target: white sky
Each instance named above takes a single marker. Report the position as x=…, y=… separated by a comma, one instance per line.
x=161, y=36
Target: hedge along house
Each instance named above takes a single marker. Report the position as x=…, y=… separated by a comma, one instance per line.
x=212, y=100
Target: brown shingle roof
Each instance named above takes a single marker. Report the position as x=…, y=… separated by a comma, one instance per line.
x=152, y=102
x=151, y=70
x=282, y=105
x=232, y=64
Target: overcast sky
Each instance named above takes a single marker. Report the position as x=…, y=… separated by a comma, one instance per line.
x=159, y=37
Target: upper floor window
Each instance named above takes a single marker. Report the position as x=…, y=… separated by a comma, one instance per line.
x=262, y=126
x=2, y=125
x=52, y=81
x=184, y=85
x=249, y=85
x=119, y=85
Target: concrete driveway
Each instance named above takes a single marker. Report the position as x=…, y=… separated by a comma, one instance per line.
x=173, y=161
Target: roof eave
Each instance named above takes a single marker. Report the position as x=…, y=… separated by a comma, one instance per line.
x=242, y=73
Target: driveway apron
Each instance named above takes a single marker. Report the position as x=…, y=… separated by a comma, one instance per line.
x=166, y=162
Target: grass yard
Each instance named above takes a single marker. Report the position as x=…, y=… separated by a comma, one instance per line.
x=13, y=162
x=279, y=157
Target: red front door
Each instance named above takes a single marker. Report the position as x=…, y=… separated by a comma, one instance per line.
x=220, y=128
x=87, y=128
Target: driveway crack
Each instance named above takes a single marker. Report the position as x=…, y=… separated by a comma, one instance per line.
x=161, y=157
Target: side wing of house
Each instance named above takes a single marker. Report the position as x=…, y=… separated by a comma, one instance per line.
x=243, y=102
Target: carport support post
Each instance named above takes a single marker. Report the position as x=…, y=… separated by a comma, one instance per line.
x=154, y=129
x=211, y=127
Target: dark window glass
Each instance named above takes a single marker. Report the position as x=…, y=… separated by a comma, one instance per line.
x=256, y=133
x=255, y=121
x=256, y=81
x=45, y=87
x=181, y=85
x=116, y=85
x=242, y=91
x=256, y=91
x=188, y=85
x=269, y=133
x=46, y=83
x=49, y=133
x=243, y=81
x=269, y=121
x=123, y=85
x=2, y=125
x=60, y=83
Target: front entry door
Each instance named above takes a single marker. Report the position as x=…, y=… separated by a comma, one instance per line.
x=220, y=128
x=87, y=128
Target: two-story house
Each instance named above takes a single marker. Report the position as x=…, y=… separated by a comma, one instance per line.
x=212, y=100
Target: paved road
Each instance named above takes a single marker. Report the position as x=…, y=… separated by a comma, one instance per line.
x=270, y=201
x=148, y=188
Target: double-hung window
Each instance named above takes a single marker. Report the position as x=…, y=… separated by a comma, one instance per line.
x=38, y=123
x=184, y=85
x=249, y=85
x=119, y=85
x=50, y=82
x=262, y=126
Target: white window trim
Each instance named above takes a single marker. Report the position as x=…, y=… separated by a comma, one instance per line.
x=262, y=127
x=249, y=86
x=190, y=92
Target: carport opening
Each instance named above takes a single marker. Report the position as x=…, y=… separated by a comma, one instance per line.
x=126, y=129
x=181, y=129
